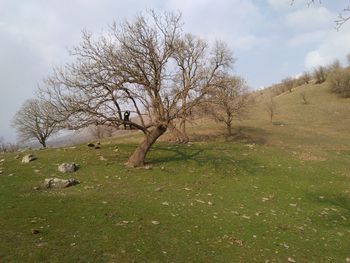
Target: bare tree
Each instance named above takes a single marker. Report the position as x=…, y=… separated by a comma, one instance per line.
x=197, y=73
x=35, y=120
x=100, y=131
x=270, y=108
x=134, y=67
x=305, y=77
x=228, y=101
x=304, y=97
x=320, y=74
x=288, y=84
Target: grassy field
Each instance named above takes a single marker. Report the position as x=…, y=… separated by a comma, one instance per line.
x=272, y=193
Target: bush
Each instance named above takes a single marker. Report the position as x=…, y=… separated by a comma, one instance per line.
x=339, y=81
x=320, y=74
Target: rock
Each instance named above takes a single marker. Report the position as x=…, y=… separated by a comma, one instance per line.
x=91, y=145
x=155, y=222
x=2, y=160
x=97, y=147
x=35, y=231
x=1, y=172
x=68, y=167
x=102, y=158
x=17, y=157
x=28, y=158
x=56, y=183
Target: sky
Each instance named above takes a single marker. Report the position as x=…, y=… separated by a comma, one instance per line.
x=270, y=39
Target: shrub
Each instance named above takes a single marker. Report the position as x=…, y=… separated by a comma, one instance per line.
x=339, y=81
x=320, y=74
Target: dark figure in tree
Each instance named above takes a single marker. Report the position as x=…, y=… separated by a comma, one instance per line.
x=127, y=118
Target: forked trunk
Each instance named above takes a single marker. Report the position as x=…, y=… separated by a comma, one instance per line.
x=137, y=159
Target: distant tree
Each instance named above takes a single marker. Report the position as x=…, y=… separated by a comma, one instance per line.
x=288, y=84
x=339, y=81
x=304, y=97
x=305, y=77
x=135, y=67
x=270, y=108
x=320, y=74
x=35, y=120
x=100, y=131
x=228, y=101
x=348, y=59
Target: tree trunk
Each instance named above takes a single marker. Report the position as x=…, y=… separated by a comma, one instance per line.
x=229, y=129
x=137, y=159
x=180, y=137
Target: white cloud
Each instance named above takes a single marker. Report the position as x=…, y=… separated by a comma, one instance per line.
x=308, y=38
x=309, y=19
x=336, y=45
x=281, y=5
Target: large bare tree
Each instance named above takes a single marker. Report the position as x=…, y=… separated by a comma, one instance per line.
x=134, y=67
x=35, y=121
x=228, y=101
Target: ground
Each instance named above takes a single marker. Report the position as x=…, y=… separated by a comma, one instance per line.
x=272, y=193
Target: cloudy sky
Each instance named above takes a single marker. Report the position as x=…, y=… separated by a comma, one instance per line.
x=270, y=38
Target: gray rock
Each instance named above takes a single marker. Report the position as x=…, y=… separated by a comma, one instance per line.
x=56, y=183
x=28, y=158
x=68, y=167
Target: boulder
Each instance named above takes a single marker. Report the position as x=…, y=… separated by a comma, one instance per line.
x=56, y=183
x=28, y=158
x=68, y=167
x=91, y=145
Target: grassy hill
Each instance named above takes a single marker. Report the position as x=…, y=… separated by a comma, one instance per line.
x=272, y=193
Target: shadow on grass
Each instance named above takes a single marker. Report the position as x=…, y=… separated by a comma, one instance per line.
x=337, y=207
x=210, y=157
x=245, y=134
x=249, y=134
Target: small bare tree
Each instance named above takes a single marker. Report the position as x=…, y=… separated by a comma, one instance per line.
x=320, y=74
x=197, y=72
x=35, y=120
x=228, y=101
x=288, y=84
x=135, y=67
x=304, y=97
x=305, y=77
x=270, y=108
x=100, y=131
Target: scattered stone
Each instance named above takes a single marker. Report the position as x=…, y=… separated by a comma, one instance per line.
x=91, y=145
x=28, y=158
x=159, y=189
x=102, y=158
x=72, y=244
x=56, y=183
x=2, y=160
x=10, y=175
x=36, y=171
x=1, y=172
x=35, y=231
x=17, y=157
x=165, y=203
x=68, y=167
x=155, y=222
x=291, y=260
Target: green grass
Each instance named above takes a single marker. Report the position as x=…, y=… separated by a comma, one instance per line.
x=285, y=196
